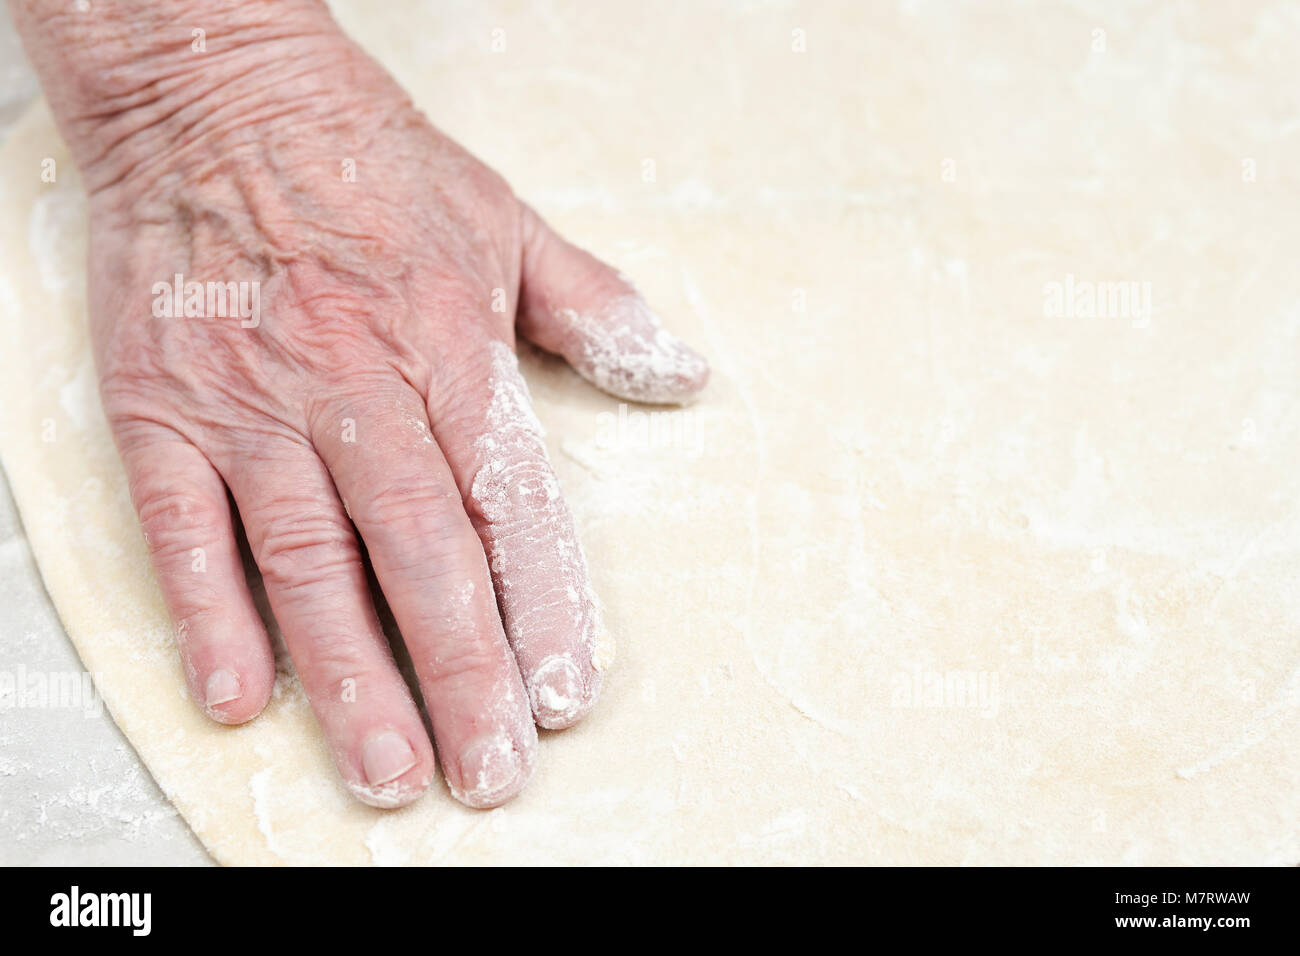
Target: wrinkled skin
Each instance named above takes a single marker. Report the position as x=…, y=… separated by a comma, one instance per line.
x=372, y=404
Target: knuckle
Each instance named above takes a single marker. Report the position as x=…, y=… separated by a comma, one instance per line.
x=196, y=620
x=301, y=548
x=337, y=657
x=521, y=495
x=473, y=660
x=175, y=517
x=412, y=505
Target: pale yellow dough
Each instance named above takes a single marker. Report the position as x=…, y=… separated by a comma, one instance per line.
x=904, y=472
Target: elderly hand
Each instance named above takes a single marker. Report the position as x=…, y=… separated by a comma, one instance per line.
x=360, y=387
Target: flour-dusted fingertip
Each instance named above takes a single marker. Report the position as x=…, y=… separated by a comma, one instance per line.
x=493, y=769
x=560, y=693
x=624, y=348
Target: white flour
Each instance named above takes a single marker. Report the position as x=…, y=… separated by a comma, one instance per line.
x=628, y=352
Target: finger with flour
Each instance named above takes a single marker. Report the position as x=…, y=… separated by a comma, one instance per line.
x=552, y=618
x=396, y=487
x=573, y=304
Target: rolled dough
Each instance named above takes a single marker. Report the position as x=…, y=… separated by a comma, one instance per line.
x=934, y=573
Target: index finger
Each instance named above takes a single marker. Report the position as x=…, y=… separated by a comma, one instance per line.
x=493, y=443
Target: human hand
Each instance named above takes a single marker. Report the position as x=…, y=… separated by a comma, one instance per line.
x=367, y=392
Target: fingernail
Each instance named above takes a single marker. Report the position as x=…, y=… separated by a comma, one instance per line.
x=386, y=756
x=222, y=688
x=557, y=691
x=489, y=767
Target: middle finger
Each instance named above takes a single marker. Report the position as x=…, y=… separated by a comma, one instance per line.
x=400, y=494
